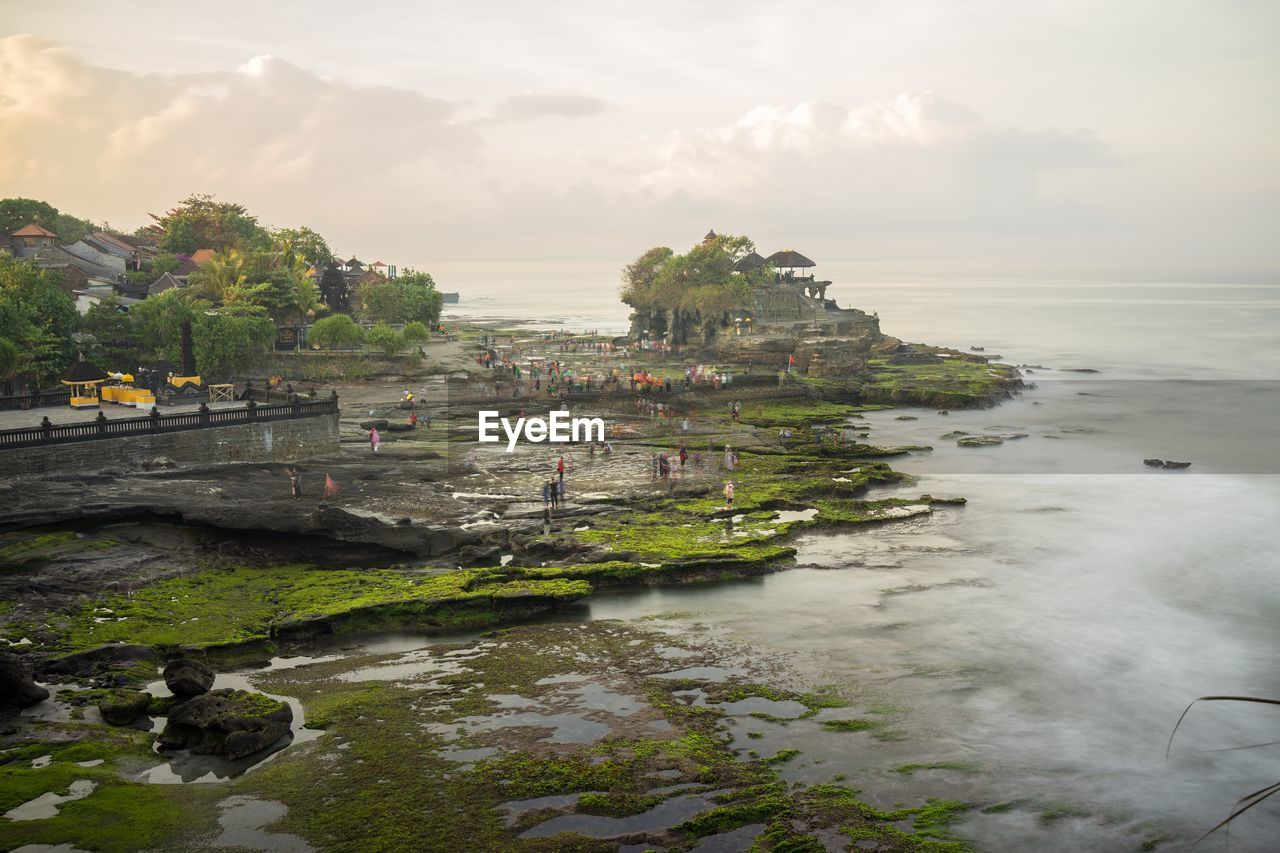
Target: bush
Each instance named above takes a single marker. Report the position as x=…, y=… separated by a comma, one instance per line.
x=337, y=330
x=415, y=333
x=227, y=346
x=385, y=338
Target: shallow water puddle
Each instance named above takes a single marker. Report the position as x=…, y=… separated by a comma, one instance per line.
x=566, y=727
x=796, y=514
x=516, y=808
x=787, y=708
x=662, y=816
x=734, y=840
x=242, y=820
x=715, y=674
x=46, y=805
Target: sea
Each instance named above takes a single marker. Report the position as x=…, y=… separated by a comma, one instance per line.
x=1044, y=638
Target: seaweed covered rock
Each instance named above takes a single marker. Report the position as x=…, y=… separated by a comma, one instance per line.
x=232, y=723
x=186, y=677
x=122, y=707
x=18, y=688
x=101, y=661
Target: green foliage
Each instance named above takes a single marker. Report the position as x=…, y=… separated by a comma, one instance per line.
x=163, y=263
x=385, y=338
x=415, y=332
x=226, y=346
x=111, y=329
x=639, y=276
x=219, y=274
x=138, y=277
x=200, y=222
x=702, y=279
x=36, y=322
x=337, y=330
x=304, y=243
x=156, y=322
x=412, y=296
x=17, y=212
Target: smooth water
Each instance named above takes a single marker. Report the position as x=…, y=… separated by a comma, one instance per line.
x=1053, y=629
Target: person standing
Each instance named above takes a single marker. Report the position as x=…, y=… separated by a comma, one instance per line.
x=295, y=483
x=546, y=494
x=546, y=521
x=560, y=468
x=728, y=494
x=375, y=439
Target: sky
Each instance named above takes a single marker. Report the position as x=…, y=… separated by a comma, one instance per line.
x=1133, y=138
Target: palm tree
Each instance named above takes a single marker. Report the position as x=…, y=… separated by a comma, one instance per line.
x=220, y=274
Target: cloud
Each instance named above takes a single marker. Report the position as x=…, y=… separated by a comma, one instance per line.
x=916, y=161
x=528, y=106
x=268, y=133
x=414, y=177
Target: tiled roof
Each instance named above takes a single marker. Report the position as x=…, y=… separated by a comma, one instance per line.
x=32, y=230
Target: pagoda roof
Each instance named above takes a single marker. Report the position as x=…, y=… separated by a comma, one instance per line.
x=83, y=371
x=790, y=258
x=750, y=262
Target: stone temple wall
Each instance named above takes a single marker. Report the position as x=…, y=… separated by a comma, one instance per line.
x=269, y=441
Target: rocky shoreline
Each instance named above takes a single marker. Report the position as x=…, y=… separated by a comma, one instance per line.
x=108, y=576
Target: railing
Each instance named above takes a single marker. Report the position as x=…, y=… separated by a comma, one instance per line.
x=103, y=427
x=35, y=399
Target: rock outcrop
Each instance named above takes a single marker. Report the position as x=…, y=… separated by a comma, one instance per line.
x=18, y=688
x=231, y=723
x=187, y=678
x=122, y=707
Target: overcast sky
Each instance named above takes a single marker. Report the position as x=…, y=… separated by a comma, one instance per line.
x=1135, y=137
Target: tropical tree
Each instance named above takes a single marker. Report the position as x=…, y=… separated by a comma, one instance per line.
x=220, y=273
x=156, y=322
x=304, y=243
x=385, y=338
x=227, y=346
x=109, y=331
x=411, y=296
x=165, y=262
x=336, y=330
x=200, y=222
x=37, y=321
x=17, y=212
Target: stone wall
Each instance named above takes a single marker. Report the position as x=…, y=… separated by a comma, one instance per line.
x=269, y=441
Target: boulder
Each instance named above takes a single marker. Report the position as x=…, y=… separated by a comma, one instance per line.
x=1153, y=463
x=18, y=688
x=231, y=723
x=979, y=441
x=122, y=707
x=379, y=423
x=186, y=677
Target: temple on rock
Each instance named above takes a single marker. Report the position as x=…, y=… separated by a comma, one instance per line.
x=773, y=309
